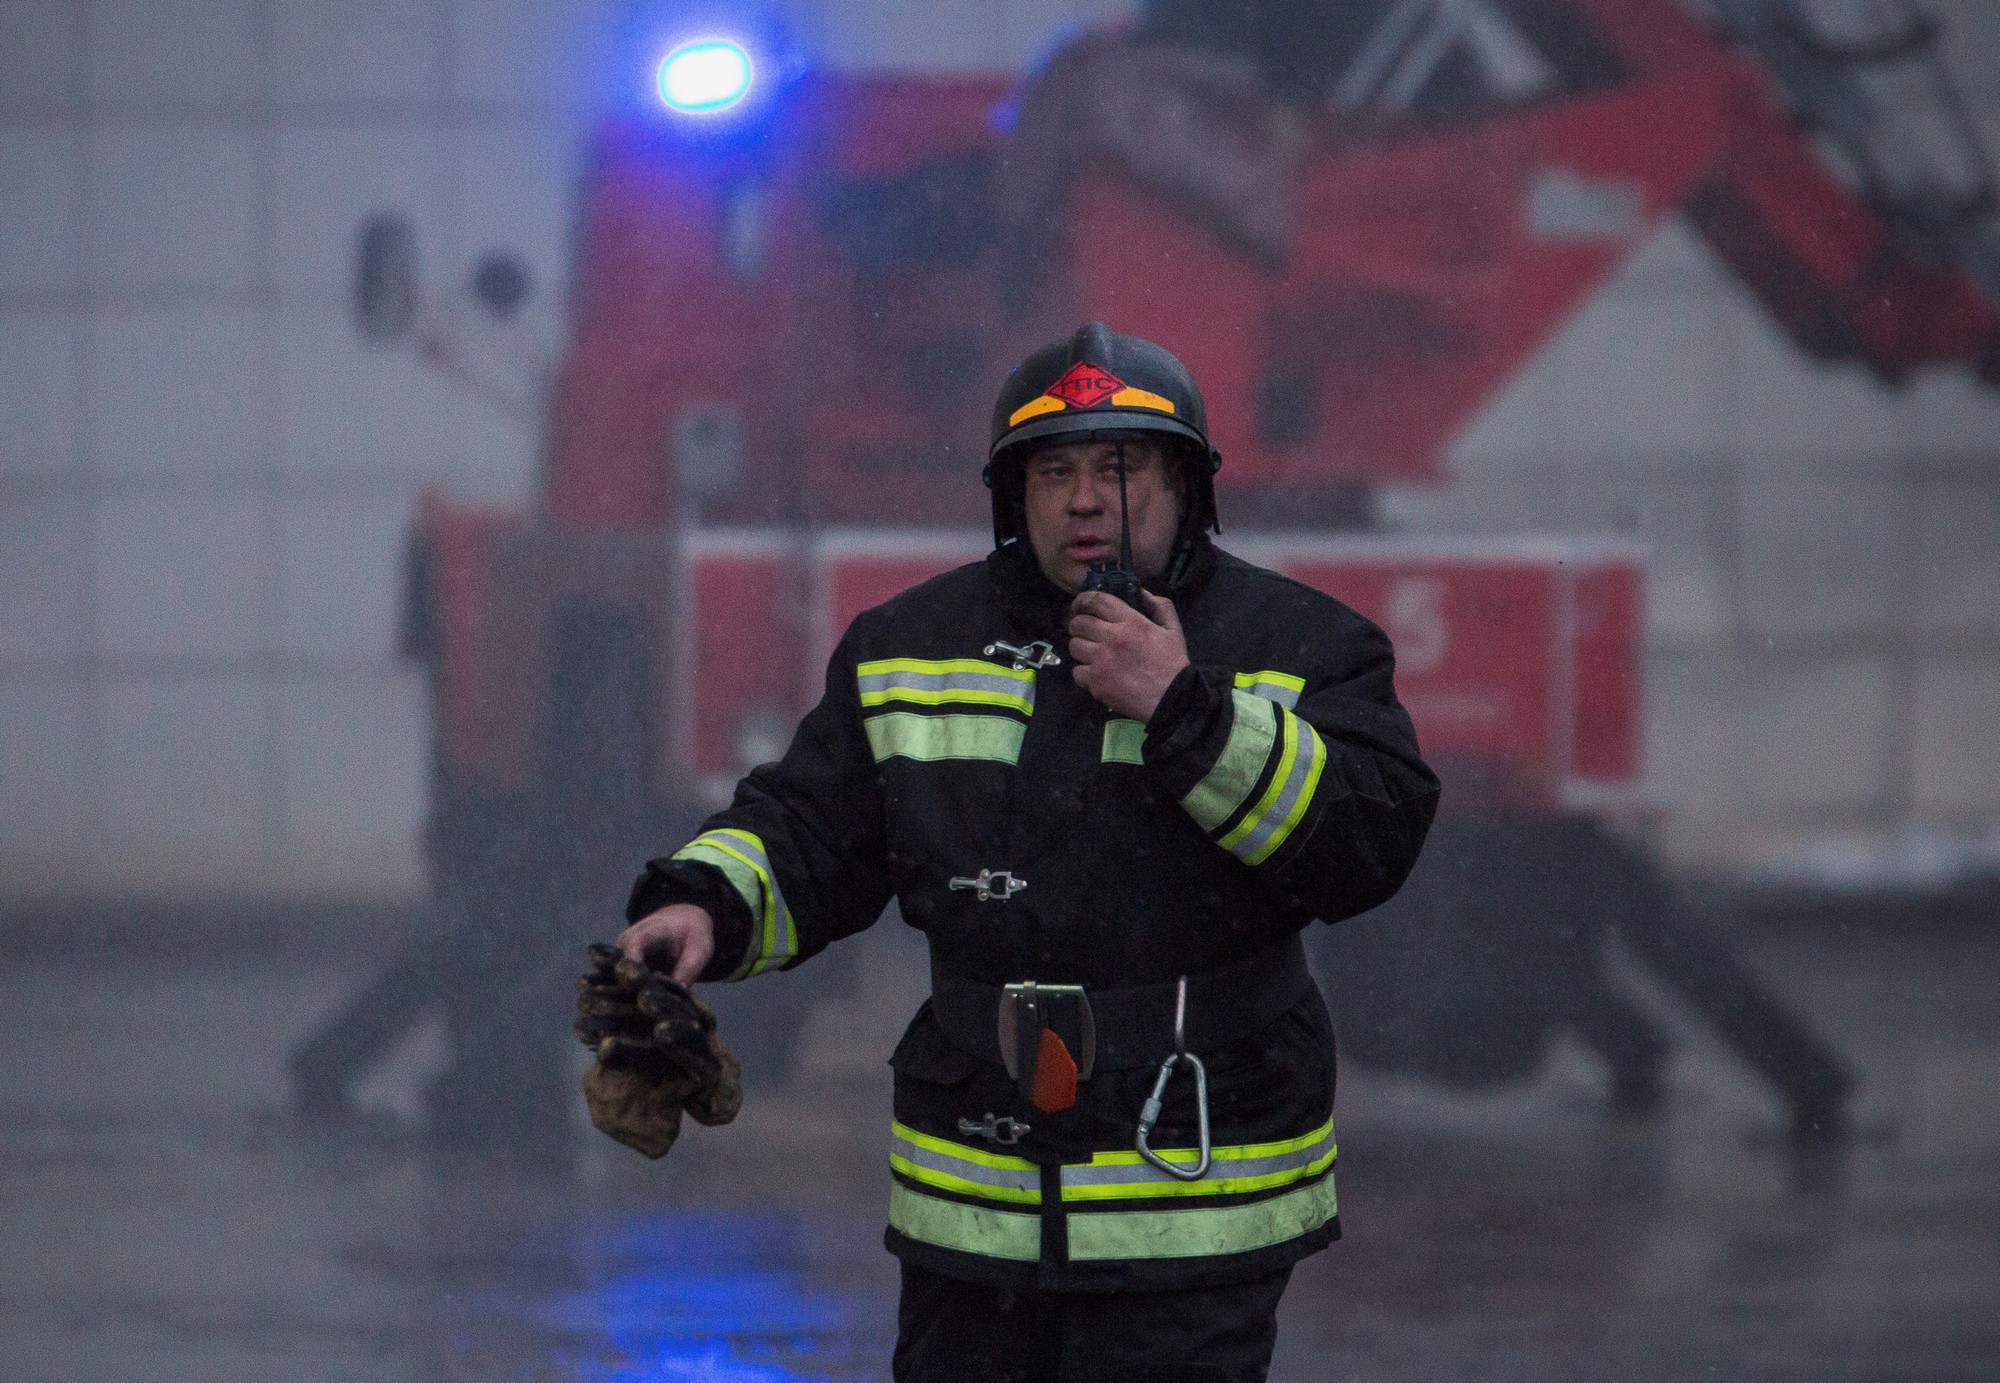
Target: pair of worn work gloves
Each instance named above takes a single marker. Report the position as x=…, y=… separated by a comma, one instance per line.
x=658, y=1054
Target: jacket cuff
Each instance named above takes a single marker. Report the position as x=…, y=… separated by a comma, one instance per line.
x=1189, y=727
x=668, y=881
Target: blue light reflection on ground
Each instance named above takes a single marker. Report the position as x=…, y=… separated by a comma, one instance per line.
x=681, y=1298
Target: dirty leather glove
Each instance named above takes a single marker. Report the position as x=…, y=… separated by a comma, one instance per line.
x=658, y=1053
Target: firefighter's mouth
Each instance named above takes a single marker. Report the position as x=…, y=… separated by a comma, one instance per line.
x=1089, y=547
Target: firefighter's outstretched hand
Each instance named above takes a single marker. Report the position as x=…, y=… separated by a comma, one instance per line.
x=659, y=1054
x=679, y=938
x=1124, y=658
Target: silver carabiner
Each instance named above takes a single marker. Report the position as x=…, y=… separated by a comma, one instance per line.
x=1149, y=1114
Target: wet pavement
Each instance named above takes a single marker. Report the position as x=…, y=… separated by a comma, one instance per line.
x=165, y=1219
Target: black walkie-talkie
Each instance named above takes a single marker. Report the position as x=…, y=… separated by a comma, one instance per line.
x=1121, y=580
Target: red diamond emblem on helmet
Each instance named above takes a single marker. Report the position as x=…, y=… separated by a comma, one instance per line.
x=1083, y=385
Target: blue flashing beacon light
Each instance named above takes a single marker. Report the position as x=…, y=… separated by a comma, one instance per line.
x=704, y=76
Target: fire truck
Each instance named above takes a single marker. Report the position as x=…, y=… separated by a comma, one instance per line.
x=794, y=295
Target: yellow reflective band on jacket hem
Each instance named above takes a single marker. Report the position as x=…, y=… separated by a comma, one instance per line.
x=1008, y=1234
x=1108, y=1236
x=940, y=682
x=1252, y=732
x=741, y=857
x=929, y=738
x=1281, y=687
x=965, y=1170
x=1269, y=824
x=1232, y=1171
x=1124, y=742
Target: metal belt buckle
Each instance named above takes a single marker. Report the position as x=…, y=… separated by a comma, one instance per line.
x=1025, y=1007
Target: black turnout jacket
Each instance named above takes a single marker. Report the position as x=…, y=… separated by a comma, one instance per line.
x=1278, y=782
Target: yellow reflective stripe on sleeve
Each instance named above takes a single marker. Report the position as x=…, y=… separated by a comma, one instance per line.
x=968, y=1171
x=1008, y=1234
x=734, y=851
x=1252, y=732
x=1124, y=742
x=1232, y=1170
x=929, y=738
x=1281, y=687
x=1111, y=1235
x=1290, y=809
x=1269, y=824
x=940, y=682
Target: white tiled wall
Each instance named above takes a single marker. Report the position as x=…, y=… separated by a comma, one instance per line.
x=353, y=761
x=1689, y=521
x=149, y=53
x=1821, y=557
x=183, y=575
x=1957, y=523
x=1955, y=750
x=347, y=408
x=41, y=55
x=41, y=360
x=175, y=391
x=334, y=603
x=1644, y=373
x=187, y=767
x=1819, y=733
x=359, y=53
x=41, y=249
x=205, y=474
x=1791, y=409
x=45, y=816
x=45, y=572
x=174, y=209
x=525, y=57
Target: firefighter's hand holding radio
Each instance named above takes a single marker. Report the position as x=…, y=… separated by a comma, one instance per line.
x=1126, y=659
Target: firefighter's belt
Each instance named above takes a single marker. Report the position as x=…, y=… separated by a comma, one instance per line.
x=1131, y=1026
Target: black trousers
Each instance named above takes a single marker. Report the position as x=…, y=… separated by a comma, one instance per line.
x=958, y=1332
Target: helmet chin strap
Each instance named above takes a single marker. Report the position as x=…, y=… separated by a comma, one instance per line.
x=1124, y=518
x=1120, y=581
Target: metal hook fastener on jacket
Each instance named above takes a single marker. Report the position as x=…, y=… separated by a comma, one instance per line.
x=989, y=884
x=1037, y=655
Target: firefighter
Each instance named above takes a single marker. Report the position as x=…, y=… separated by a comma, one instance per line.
x=1110, y=772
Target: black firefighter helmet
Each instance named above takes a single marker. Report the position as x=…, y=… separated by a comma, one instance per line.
x=1101, y=386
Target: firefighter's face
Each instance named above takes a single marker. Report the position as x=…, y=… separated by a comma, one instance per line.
x=1072, y=504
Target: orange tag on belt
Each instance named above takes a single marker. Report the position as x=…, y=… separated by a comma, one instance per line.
x=1054, y=1087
